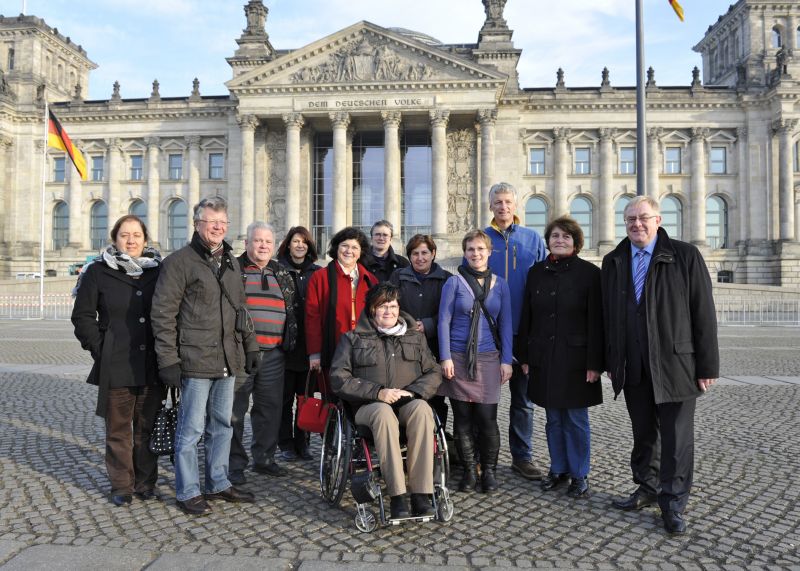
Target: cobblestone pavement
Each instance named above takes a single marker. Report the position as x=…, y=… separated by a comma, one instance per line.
x=744, y=512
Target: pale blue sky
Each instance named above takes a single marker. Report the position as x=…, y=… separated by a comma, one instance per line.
x=135, y=41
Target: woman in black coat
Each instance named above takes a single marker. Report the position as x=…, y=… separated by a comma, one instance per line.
x=421, y=286
x=561, y=349
x=297, y=253
x=111, y=316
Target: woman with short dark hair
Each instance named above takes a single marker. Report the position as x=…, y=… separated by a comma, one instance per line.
x=336, y=296
x=560, y=346
x=385, y=371
x=111, y=316
x=297, y=253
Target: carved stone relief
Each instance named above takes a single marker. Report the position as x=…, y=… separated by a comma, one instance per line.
x=276, y=185
x=366, y=59
x=461, y=177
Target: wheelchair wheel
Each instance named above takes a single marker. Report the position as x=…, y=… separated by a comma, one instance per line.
x=337, y=442
x=444, y=504
x=366, y=520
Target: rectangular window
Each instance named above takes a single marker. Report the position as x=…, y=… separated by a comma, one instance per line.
x=673, y=161
x=97, y=168
x=537, y=161
x=216, y=164
x=136, y=167
x=627, y=160
x=583, y=158
x=59, y=166
x=719, y=160
x=175, y=167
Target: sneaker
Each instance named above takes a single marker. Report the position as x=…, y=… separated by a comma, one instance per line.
x=527, y=469
x=398, y=507
x=271, y=468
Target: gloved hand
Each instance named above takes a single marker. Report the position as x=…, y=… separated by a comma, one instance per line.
x=251, y=361
x=171, y=376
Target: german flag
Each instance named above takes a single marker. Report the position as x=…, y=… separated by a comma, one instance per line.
x=677, y=7
x=58, y=139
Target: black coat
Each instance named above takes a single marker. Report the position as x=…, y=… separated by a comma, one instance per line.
x=421, y=300
x=561, y=333
x=681, y=319
x=111, y=316
x=297, y=359
x=383, y=268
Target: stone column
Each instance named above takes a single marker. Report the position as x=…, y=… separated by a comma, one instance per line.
x=439, y=119
x=193, y=194
x=77, y=239
x=153, y=189
x=744, y=190
x=349, y=199
x=560, y=170
x=698, y=194
x=294, y=122
x=114, y=175
x=340, y=123
x=247, y=126
x=791, y=33
x=784, y=129
x=653, y=161
x=487, y=119
x=5, y=192
x=392, y=191
x=606, y=237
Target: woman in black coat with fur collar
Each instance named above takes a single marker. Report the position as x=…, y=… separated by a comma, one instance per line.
x=111, y=316
x=561, y=348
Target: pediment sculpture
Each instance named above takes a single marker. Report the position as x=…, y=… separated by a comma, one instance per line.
x=363, y=60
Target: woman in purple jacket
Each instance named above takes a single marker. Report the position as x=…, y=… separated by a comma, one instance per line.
x=475, y=346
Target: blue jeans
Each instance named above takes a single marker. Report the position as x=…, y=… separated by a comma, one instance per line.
x=520, y=417
x=205, y=408
x=569, y=441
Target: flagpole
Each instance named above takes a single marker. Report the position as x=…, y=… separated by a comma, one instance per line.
x=641, y=121
x=41, y=229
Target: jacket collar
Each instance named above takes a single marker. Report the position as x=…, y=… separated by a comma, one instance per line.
x=200, y=247
x=146, y=277
x=366, y=327
x=511, y=228
x=664, y=250
x=436, y=273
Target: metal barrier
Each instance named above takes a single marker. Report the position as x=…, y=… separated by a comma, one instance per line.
x=767, y=312
x=56, y=306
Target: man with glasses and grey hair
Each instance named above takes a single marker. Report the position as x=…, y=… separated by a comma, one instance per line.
x=383, y=260
x=661, y=351
x=201, y=348
x=514, y=250
x=270, y=295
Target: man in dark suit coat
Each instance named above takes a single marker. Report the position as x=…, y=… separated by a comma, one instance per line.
x=662, y=351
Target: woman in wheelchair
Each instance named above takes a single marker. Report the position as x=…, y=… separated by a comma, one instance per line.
x=385, y=372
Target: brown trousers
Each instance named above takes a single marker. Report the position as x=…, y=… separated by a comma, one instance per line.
x=417, y=417
x=130, y=417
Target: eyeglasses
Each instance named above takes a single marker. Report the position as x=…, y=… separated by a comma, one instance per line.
x=381, y=235
x=642, y=219
x=215, y=222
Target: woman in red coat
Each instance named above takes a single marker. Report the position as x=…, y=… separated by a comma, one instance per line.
x=336, y=296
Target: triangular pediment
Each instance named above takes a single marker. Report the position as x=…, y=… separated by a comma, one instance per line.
x=365, y=53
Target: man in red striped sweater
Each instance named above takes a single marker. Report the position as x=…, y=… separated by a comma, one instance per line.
x=270, y=300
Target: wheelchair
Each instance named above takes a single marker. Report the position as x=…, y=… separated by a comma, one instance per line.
x=348, y=457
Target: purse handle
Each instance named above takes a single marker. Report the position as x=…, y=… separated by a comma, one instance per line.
x=322, y=384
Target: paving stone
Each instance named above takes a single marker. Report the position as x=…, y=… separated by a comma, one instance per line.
x=48, y=557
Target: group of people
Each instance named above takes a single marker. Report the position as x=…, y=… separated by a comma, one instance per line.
x=393, y=338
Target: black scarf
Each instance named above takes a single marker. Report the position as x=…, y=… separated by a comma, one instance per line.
x=472, y=276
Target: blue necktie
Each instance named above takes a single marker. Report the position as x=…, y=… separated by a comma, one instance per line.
x=639, y=275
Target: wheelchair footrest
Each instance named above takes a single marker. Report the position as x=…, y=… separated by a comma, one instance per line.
x=420, y=518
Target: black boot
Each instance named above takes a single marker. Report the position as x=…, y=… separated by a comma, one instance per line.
x=490, y=449
x=466, y=450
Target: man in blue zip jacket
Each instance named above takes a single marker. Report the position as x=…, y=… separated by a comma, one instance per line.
x=514, y=250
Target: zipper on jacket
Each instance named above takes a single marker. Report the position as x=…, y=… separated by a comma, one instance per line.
x=515, y=258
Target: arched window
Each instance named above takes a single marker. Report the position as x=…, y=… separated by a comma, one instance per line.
x=581, y=211
x=176, y=225
x=619, y=217
x=98, y=225
x=672, y=217
x=536, y=214
x=717, y=222
x=60, y=225
x=139, y=208
x=776, y=37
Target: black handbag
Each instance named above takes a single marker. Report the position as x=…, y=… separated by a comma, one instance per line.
x=162, y=438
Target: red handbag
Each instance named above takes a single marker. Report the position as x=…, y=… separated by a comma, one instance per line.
x=312, y=412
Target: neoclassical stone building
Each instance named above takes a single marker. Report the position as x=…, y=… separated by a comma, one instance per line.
x=372, y=123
